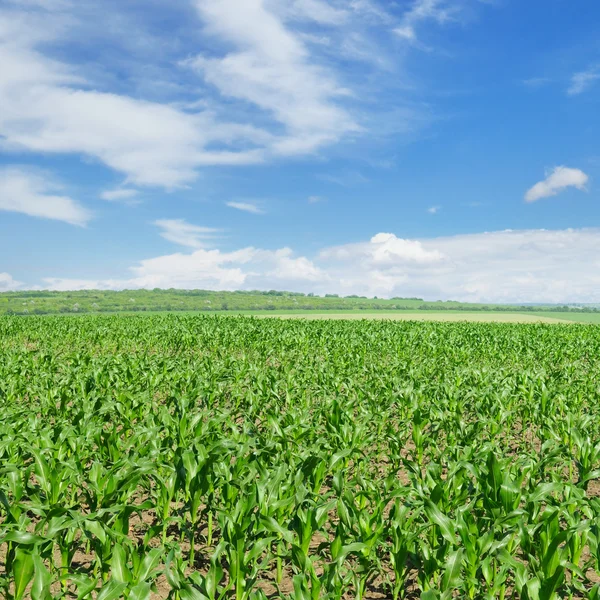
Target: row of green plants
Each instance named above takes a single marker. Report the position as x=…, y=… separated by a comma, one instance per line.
x=191, y=457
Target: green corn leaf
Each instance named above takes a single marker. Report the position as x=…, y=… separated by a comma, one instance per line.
x=552, y=556
x=300, y=588
x=544, y=490
x=112, y=590
x=95, y=528
x=436, y=516
x=452, y=571
x=335, y=459
x=85, y=585
x=187, y=592
x=343, y=513
x=533, y=588
x=140, y=591
x=42, y=580
x=550, y=585
x=23, y=567
x=119, y=570
x=149, y=564
x=270, y=524
x=22, y=538
x=352, y=548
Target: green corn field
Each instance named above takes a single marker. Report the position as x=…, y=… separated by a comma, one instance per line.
x=206, y=457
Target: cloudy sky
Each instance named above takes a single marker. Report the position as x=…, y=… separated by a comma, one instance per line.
x=438, y=148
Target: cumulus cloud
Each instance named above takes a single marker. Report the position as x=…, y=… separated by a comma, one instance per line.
x=582, y=81
x=503, y=266
x=383, y=249
x=246, y=207
x=558, y=180
x=7, y=283
x=248, y=268
x=32, y=193
x=182, y=233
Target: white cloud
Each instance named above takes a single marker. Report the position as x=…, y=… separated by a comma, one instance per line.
x=315, y=199
x=316, y=10
x=270, y=68
x=180, y=232
x=439, y=11
x=266, y=91
x=436, y=10
x=46, y=108
x=7, y=283
x=125, y=195
x=383, y=249
x=558, y=180
x=432, y=210
x=582, y=81
x=503, y=266
x=406, y=31
x=209, y=269
x=25, y=191
x=247, y=207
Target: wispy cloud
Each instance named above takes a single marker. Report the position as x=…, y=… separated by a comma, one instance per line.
x=185, y=234
x=246, y=207
x=537, y=82
x=582, y=81
x=124, y=195
x=345, y=178
x=315, y=199
x=46, y=108
x=319, y=11
x=432, y=210
x=270, y=67
x=256, y=85
x=32, y=193
x=559, y=179
x=52, y=106
x=439, y=11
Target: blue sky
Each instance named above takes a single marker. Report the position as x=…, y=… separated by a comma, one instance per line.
x=438, y=148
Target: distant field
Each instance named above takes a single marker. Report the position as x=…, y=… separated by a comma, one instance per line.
x=573, y=316
x=477, y=317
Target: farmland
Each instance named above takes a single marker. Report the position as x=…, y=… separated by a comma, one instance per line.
x=39, y=302
x=211, y=457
